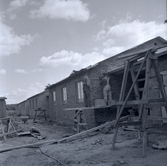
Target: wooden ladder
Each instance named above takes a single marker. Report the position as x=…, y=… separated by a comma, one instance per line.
x=7, y=128
x=148, y=61
x=79, y=121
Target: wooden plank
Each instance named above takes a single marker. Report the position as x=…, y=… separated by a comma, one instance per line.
x=87, y=132
x=74, y=129
x=157, y=118
x=145, y=135
x=124, y=81
x=76, y=114
x=75, y=120
x=141, y=89
x=82, y=124
x=67, y=139
x=12, y=132
x=121, y=97
x=141, y=79
x=125, y=102
x=133, y=123
x=136, y=88
x=152, y=101
x=2, y=130
x=129, y=103
x=159, y=80
x=115, y=136
x=84, y=108
x=145, y=110
x=34, y=145
x=157, y=132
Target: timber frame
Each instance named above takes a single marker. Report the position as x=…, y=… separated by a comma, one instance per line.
x=148, y=62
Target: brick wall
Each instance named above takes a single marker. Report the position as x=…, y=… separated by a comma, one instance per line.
x=57, y=109
x=27, y=107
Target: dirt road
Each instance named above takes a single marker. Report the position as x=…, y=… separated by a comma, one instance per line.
x=94, y=150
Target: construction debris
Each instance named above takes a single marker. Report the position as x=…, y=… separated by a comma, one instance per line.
x=160, y=145
x=33, y=132
x=87, y=132
x=67, y=139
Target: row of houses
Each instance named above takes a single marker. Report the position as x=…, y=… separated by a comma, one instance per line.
x=68, y=93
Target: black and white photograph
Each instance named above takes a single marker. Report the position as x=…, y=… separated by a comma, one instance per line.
x=83, y=82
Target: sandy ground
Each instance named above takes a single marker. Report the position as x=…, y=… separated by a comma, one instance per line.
x=93, y=150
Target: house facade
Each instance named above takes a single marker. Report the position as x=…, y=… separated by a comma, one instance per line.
x=27, y=107
x=68, y=92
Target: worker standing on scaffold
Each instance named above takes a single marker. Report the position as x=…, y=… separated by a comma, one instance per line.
x=107, y=96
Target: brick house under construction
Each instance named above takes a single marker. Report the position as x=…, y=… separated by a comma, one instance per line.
x=68, y=92
x=27, y=107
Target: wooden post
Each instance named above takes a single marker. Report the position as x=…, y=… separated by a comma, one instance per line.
x=145, y=110
x=159, y=80
x=126, y=99
x=145, y=136
x=115, y=136
x=2, y=107
x=136, y=88
x=121, y=97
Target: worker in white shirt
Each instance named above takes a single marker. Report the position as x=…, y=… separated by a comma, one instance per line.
x=107, y=96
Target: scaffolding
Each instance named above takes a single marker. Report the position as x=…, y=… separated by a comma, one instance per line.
x=148, y=63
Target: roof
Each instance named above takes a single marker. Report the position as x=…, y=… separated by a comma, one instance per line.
x=46, y=91
x=119, y=58
x=3, y=98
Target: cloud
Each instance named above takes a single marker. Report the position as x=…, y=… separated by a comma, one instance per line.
x=100, y=35
x=37, y=70
x=10, y=42
x=2, y=71
x=12, y=16
x=63, y=9
x=20, y=95
x=18, y=3
x=71, y=58
x=21, y=71
x=129, y=34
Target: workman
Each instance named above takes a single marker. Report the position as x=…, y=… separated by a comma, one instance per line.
x=87, y=91
x=106, y=88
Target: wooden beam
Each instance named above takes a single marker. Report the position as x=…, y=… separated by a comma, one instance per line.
x=67, y=139
x=129, y=103
x=159, y=80
x=34, y=145
x=136, y=88
x=133, y=123
x=84, y=108
x=87, y=132
x=157, y=118
x=127, y=97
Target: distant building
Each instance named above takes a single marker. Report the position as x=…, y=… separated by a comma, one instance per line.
x=27, y=107
x=68, y=93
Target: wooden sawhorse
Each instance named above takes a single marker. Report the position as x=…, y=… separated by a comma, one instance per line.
x=39, y=112
x=7, y=127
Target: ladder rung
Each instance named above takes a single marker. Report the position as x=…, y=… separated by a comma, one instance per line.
x=74, y=129
x=130, y=123
x=82, y=124
x=75, y=120
x=141, y=79
x=141, y=89
x=157, y=118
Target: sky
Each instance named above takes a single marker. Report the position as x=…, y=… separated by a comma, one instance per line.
x=43, y=41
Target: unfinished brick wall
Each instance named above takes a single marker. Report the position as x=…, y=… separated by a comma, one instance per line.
x=57, y=108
